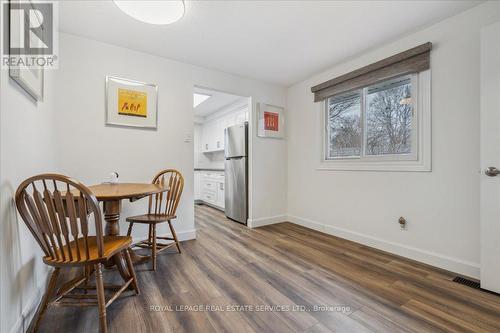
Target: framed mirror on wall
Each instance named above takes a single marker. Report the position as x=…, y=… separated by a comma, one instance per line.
x=28, y=76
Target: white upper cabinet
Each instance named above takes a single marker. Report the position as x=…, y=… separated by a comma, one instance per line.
x=212, y=131
x=219, y=135
x=241, y=116
x=209, y=132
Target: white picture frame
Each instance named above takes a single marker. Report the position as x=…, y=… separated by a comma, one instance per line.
x=270, y=121
x=116, y=115
x=31, y=79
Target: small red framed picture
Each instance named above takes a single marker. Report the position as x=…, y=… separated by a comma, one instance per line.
x=271, y=121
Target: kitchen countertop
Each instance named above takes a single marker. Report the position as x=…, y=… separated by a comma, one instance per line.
x=209, y=169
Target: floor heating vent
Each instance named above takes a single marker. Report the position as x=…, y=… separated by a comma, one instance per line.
x=467, y=282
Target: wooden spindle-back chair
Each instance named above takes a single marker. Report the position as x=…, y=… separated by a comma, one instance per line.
x=65, y=219
x=162, y=208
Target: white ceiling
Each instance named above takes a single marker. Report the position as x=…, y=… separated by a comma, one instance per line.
x=277, y=41
x=216, y=102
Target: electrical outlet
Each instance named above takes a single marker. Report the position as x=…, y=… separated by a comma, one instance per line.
x=403, y=224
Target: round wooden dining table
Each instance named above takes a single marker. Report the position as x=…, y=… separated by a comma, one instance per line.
x=112, y=195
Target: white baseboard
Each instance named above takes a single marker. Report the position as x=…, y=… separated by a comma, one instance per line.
x=22, y=323
x=456, y=265
x=260, y=222
x=181, y=236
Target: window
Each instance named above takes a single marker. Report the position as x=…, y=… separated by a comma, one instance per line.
x=379, y=127
x=344, y=126
x=389, y=118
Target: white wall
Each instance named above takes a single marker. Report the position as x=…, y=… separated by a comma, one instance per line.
x=92, y=150
x=69, y=136
x=66, y=134
x=27, y=147
x=442, y=207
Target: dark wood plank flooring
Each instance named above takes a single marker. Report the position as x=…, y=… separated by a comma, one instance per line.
x=294, y=270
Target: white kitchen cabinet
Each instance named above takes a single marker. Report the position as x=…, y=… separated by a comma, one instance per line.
x=220, y=194
x=197, y=185
x=208, y=132
x=212, y=136
x=212, y=188
x=212, y=131
x=219, y=135
x=241, y=117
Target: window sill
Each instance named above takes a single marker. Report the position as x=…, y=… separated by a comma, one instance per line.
x=383, y=166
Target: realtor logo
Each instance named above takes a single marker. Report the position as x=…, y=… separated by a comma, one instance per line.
x=29, y=34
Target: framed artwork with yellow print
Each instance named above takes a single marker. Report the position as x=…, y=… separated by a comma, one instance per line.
x=131, y=103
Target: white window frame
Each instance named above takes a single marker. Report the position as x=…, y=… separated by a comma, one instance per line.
x=419, y=160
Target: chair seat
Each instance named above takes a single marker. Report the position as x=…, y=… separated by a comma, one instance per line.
x=112, y=245
x=150, y=218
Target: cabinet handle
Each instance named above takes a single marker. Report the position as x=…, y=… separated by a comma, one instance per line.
x=222, y=186
x=206, y=146
x=218, y=144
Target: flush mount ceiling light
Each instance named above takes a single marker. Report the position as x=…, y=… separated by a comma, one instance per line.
x=153, y=12
x=199, y=98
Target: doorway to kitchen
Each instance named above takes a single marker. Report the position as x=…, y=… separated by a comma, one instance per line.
x=221, y=152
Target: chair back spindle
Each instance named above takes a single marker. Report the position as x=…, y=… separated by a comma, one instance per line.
x=166, y=203
x=57, y=210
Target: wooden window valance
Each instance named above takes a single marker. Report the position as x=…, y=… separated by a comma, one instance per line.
x=410, y=61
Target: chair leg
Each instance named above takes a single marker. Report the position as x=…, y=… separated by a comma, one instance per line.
x=131, y=271
x=101, y=300
x=45, y=300
x=150, y=233
x=129, y=232
x=174, y=236
x=153, y=251
x=86, y=272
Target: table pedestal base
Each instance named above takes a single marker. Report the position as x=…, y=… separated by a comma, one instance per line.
x=112, y=217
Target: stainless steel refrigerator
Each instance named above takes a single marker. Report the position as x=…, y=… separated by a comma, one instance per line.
x=236, y=172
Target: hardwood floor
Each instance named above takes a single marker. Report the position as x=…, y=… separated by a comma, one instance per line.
x=296, y=269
